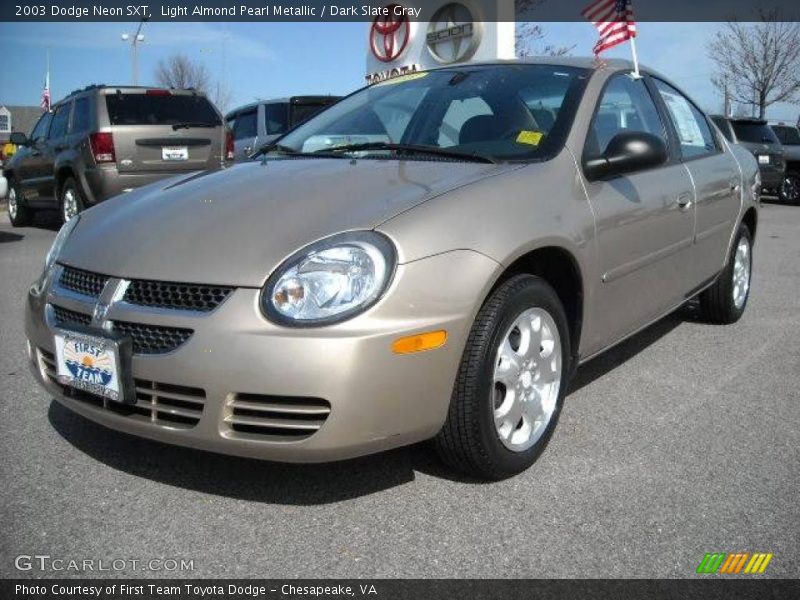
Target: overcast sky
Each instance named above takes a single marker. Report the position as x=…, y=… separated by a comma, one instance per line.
x=263, y=60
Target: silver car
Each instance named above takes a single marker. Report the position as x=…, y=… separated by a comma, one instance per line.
x=475, y=233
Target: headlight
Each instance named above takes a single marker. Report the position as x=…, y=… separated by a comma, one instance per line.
x=55, y=250
x=331, y=280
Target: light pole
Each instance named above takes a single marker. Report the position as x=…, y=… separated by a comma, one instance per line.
x=135, y=40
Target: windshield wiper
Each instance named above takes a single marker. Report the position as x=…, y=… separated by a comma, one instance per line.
x=189, y=124
x=410, y=149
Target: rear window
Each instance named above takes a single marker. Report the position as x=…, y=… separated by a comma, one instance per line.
x=148, y=109
x=757, y=133
x=789, y=136
x=302, y=111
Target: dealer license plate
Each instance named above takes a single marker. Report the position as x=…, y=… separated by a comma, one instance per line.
x=175, y=153
x=763, y=159
x=89, y=363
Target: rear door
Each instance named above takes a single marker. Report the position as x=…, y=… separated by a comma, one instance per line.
x=716, y=179
x=44, y=155
x=164, y=131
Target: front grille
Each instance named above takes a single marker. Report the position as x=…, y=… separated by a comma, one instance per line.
x=178, y=296
x=82, y=282
x=276, y=417
x=164, y=404
x=147, y=339
x=64, y=316
x=153, y=339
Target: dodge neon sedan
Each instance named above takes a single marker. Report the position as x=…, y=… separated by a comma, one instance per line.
x=429, y=258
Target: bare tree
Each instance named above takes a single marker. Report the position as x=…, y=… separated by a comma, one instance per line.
x=529, y=37
x=758, y=63
x=179, y=71
x=528, y=40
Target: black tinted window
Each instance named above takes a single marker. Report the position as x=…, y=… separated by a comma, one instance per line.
x=58, y=128
x=723, y=127
x=245, y=125
x=40, y=130
x=275, y=118
x=694, y=132
x=626, y=105
x=157, y=109
x=754, y=131
x=789, y=136
x=80, y=115
x=304, y=111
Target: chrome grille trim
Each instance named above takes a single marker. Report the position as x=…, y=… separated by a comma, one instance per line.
x=258, y=416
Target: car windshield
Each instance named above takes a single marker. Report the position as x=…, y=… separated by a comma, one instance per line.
x=789, y=136
x=754, y=132
x=496, y=112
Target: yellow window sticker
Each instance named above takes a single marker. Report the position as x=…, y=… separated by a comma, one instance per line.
x=532, y=138
x=403, y=78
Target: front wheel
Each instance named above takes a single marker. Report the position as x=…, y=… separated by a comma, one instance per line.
x=725, y=301
x=789, y=190
x=511, y=382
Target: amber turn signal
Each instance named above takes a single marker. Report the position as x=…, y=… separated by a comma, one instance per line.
x=419, y=342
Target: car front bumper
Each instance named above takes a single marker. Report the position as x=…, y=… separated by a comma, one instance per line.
x=377, y=399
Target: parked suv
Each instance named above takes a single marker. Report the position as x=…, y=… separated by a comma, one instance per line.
x=259, y=123
x=101, y=141
x=758, y=138
x=789, y=135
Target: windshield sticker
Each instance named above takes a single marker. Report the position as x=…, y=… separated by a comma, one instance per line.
x=402, y=78
x=531, y=138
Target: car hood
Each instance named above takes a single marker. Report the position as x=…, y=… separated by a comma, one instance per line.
x=233, y=227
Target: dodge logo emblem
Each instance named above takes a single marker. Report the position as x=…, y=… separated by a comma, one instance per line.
x=389, y=35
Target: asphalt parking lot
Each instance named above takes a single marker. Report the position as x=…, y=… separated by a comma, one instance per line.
x=681, y=441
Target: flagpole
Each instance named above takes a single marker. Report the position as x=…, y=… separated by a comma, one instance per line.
x=636, y=73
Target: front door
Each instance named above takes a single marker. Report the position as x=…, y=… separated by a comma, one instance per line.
x=644, y=221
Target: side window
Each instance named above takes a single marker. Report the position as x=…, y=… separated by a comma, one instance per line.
x=694, y=132
x=60, y=120
x=276, y=118
x=40, y=129
x=723, y=127
x=626, y=105
x=459, y=113
x=245, y=125
x=80, y=116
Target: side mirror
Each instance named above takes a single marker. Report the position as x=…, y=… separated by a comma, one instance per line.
x=627, y=152
x=18, y=139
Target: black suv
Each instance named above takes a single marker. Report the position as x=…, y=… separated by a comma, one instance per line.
x=103, y=140
x=758, y=138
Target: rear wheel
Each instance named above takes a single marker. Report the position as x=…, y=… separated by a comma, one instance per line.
x=511, y=382
x=725, y=301
x=71, y=202
x=790, y=189
x=19, y=214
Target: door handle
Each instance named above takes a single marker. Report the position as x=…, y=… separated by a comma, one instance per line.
x=684, y=200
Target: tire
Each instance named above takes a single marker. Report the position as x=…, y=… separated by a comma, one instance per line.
x=18, y=214
x=725, y=301
x=70, y=201
x=789, y=191
x=472, y=440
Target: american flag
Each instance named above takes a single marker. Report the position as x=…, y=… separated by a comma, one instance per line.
x=613, y=19
x=45, y=104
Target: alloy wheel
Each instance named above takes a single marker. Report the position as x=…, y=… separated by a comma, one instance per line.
x=12, y=203
x=69, y=204
x=527, y=378
x=790, y=189
x=741, y=273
